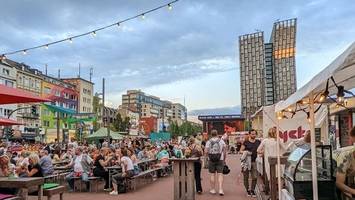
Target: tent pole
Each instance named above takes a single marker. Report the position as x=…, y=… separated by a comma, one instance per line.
x=278, y=156
x=313, y=147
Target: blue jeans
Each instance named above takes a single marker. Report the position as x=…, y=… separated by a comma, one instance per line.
x=84, y=177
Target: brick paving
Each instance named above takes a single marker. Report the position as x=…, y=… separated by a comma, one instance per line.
x=162, y=189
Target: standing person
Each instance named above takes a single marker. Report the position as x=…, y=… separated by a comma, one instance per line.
x=196, y=152
x=216, y=152
x=81, y=164
x=251, y=145
x=346, y=168
x=268, y=148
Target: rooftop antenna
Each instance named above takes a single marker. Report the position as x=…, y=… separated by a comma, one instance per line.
x=91, y=73
x=58, y=73
x=46, y=69
x=79, y=71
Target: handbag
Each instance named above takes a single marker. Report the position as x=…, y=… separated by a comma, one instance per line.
x=226, y=169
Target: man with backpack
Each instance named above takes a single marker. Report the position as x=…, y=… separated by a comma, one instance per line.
x=216, y=151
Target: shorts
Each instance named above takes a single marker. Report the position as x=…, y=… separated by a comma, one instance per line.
x=214, y=167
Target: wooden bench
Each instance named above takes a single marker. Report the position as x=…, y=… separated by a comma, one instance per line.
x=93, y=180
x=53, y=191
x=145, y=176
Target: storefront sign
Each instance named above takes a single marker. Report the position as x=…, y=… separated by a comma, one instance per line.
x=292, y=128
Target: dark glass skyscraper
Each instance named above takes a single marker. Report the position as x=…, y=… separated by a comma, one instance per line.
x=267, y=70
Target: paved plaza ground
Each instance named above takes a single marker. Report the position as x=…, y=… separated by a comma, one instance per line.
x=162, y=189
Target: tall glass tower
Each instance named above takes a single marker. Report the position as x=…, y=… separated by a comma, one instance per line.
x=267, y=70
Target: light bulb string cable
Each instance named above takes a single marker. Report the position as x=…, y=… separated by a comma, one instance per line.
x=90, y=32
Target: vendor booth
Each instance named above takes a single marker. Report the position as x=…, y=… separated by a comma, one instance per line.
x=332, y=84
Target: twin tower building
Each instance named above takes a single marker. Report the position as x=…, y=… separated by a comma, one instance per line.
x=267, y=69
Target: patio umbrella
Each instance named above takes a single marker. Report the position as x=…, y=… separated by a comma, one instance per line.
x=8, y=122
x=9, y=95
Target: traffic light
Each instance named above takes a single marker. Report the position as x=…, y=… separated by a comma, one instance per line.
x=33, y=110
x=12, y=131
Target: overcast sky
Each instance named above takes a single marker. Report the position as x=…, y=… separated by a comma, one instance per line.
x=188, y=52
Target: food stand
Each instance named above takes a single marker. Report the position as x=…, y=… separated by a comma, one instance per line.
x=335, y=79
x=298, y=173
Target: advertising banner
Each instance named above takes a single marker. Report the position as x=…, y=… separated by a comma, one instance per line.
x=297, y=126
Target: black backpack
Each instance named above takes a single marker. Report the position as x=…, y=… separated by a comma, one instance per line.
x=214, y=151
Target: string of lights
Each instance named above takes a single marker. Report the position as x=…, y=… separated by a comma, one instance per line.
x=320, y=99
x=92, y=32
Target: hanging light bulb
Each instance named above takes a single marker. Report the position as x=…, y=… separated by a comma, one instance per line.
x=170, y=7
x=289, y=109
x=24, y=52
x=325, y=94
x=279, y=115
x=340, y=94
x=3, y=57
x=308, y=117
x=94, y=33
x=46, y=46
x=143, y=16
x=118, y=24
x=70, y=40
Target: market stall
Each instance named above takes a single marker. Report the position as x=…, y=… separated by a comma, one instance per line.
x=334, y=83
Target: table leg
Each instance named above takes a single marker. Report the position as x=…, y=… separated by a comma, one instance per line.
x=109, y=178
x=24, y=193
x=40, y=192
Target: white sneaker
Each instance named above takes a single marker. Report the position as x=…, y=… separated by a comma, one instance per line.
x=213, y=191
x=114, y=193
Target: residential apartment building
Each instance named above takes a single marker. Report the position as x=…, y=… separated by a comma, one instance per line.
x=110, y=114
x=8, y=78
x=179, y=113
x=30, y=80
x=85, y=90
x=283, y=40
x=251, y=48
x=267, y=70
x=145, y=105
x=64, y=100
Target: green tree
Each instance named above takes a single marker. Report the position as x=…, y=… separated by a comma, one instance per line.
x=96, y=105
x=121, y=125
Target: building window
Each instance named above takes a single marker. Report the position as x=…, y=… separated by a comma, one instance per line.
x=9, y=83
x=6, y=71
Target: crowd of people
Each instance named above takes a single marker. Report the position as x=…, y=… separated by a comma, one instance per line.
x=85, y=160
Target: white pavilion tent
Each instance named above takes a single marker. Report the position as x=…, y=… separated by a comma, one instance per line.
x=342, y=70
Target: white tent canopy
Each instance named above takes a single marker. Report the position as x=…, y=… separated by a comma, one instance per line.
x=342, y=69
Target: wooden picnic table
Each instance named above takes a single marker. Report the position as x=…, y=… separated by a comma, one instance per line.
x=144, y=164
x=24, y=184
x=61, y=168
x=61, y=162
x=110, y=169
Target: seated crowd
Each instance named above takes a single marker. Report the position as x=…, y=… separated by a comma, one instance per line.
x=84, y=160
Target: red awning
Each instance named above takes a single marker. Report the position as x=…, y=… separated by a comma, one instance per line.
x=10, y=95
x=8, y=122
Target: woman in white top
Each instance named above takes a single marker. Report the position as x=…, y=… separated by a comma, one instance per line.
x=268, y=148
x=127, y=171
